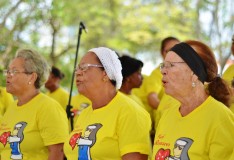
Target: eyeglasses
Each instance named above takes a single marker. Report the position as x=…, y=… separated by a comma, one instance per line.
x=167, y=64
x=12, y=72
x=85, y=67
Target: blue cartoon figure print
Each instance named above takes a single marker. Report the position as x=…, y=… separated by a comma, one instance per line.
x=86, y=141
x=15, y=139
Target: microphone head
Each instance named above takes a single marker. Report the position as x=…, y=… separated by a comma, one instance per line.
x=83, y=27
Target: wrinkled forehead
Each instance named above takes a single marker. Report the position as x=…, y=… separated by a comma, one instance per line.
x=173, y=57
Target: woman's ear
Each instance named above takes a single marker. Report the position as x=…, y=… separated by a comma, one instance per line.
x=104, y=73
x=128, y=79
x=194, y=77
x=33, y=77
x=105, y=76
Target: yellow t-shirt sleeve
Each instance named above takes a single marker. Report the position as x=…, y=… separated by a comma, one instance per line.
x=229, y=74
x=154, y=82
x=53, y=123
x=218, y=148
x=5, y=100
x=133, y=132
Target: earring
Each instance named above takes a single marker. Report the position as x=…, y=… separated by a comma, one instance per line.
x=104, y=79
x=193, y=84
x=29, y=82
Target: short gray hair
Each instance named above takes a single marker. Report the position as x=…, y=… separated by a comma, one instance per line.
x=34, y=62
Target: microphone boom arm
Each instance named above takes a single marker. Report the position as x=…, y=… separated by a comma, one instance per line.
x=70, y=114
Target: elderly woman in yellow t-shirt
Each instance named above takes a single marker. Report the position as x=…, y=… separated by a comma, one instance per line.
x=113, y=126
x=201, y=126
x=34, y=126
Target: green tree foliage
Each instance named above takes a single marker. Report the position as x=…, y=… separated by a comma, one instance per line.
x=127, y=26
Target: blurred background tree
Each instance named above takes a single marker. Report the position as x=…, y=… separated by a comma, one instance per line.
x=134, y=27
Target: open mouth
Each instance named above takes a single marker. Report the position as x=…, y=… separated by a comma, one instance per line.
x=164, y=82
x=78, y=81
x=7, y=82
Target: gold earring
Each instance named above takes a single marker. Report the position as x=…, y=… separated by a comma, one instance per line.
x=29, y=82
x=104, y=79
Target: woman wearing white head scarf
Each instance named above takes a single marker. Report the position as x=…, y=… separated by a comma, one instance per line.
x=123, y=126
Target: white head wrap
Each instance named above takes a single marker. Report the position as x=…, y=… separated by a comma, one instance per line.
x=111, y=64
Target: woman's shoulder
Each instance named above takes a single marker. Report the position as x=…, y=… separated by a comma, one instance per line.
x=217, y=110
x=127, y=104
x=3, y=91
x=46, y=102
x=123, y=100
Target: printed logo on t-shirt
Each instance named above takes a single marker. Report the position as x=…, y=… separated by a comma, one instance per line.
x=14, y=138
x=180, y=150
x=86, y=141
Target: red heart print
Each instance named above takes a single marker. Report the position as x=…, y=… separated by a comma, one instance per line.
x=73, y=139
x=162, y=154
x=3, y=137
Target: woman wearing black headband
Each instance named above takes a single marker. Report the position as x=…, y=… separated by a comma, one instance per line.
x=190, y=76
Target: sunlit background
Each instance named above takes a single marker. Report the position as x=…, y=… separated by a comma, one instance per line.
x=133, y=27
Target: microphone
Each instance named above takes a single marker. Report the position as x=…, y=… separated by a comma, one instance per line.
x=83, y=27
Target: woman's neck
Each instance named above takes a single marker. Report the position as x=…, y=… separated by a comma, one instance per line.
x=102, y=99
x=25, y=98
x=191, y=102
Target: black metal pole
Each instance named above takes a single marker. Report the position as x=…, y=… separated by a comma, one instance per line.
x=70, y=114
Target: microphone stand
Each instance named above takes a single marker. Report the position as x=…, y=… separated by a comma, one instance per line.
x=70, y=114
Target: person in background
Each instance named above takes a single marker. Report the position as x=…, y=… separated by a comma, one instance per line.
x=201, y=126
x=35, y=126
x=154, y=84
x=113, y=126
x=132, y=77
x=232, y=99
x=166, y=101
x=78, y=103
x=151, y=91
x=5, y=100
x=228, y=75
x=53, y=85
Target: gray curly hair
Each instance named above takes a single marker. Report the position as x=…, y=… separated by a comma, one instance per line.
x=34, y=62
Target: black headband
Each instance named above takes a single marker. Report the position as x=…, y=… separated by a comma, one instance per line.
x=193, y=60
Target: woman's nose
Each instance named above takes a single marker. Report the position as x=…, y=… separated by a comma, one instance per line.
x=163, y=71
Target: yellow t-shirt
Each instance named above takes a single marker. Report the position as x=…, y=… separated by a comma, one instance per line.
x=31, y=128
x=204, y=134
x=232, y=156
x=154, y=83
x=136, y=99
x=118, y=128
x=5, y=100
x=166, y=102
x=78, y=103
x=151, y=83
x=140, y=92
x=232, y=107
x=228, y=75
x=60, y=95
